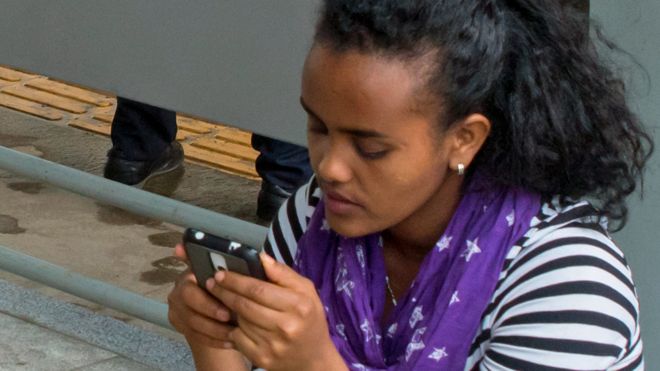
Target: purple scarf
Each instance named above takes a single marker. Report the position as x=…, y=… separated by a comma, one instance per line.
x=434, y=324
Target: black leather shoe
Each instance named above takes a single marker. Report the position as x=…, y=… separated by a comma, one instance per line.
x=138, y=172
x=270, y=199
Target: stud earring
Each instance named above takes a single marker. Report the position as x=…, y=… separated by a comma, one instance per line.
x=461, y=169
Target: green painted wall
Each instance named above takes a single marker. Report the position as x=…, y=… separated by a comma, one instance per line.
x=634, y=25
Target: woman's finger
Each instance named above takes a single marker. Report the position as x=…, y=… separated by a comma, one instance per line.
x=210, y=327
x=188, y=296
x=180, y=253
x=256, y=353
x=282, y=275
x=181, y=325
x=253, y=312
x=265, y=293
x=201, y=338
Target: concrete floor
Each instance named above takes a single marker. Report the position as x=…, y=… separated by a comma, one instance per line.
x=96, y=240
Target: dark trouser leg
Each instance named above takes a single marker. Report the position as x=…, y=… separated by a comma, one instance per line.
x=283, y=167
x=140, y=131
x=143, y=143
x=280, y=163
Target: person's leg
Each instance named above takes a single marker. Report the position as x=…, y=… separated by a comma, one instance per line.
x=143, y=142
x=283, y=167
x=140, y=131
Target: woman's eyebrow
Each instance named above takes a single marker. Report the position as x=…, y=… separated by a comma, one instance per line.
x=309, y=110
x=361, y=133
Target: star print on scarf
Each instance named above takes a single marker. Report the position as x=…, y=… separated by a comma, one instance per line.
x=435, y=322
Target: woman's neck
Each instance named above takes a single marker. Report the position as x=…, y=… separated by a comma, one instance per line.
x=406, y=245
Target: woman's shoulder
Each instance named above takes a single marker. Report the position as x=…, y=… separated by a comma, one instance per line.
x=568, y=251
x=291, y=222
x=565, y=234
x=565, y=288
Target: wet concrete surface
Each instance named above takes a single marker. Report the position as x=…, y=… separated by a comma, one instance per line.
x=165, y=239
x=112, y=215
x=9, y=225
x=165, y=271
x=16, y=140
x=96, y=240
x=26, y=187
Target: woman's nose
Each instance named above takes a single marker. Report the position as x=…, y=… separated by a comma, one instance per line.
x=334, y=165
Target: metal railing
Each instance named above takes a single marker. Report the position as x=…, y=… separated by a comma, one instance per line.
x=125, y=197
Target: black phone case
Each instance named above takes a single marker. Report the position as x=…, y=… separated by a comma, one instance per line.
x=240, y=258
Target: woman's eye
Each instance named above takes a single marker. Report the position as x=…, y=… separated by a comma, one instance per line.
x=371, y=152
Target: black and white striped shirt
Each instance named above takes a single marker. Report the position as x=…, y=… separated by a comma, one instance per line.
x=565, y=299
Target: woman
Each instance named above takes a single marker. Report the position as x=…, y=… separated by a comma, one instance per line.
x=454, y=145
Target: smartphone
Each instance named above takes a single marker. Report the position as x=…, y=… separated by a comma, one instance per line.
x=208, y=254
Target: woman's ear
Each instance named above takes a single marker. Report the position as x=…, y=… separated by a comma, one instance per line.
x=468, y=136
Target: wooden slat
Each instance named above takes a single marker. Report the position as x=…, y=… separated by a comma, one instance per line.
x=5, y=83
x=29, y=107
x=103, y=117
x=195, y=126
x=224, y=148
x=12, y=75
x=220, y=161
x=91, y=126
x=107, y=119
x=69, y=91
x=100, y=127
x=234, y=135
x=183, y=135
x=65, y=104
x=227, y=148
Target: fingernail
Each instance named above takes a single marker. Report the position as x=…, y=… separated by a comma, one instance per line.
x=267, y=259
x=210, y=284
x=228, y=345
x=222, y=315
x=219, y=276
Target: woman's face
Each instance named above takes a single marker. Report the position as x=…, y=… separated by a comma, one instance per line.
x=376, y=151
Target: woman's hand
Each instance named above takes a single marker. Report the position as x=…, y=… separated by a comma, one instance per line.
x=282, y=323
x=200, y=317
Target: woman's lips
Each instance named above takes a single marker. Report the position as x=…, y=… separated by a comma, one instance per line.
x=339, y=204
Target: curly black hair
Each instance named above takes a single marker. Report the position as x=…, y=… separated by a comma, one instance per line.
x=560, y=121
